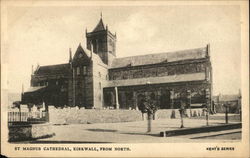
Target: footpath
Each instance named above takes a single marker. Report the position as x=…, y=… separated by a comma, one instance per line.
x=136, y=132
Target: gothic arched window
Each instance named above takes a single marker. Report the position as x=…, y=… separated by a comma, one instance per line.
x=78, y=70
x=84, y=70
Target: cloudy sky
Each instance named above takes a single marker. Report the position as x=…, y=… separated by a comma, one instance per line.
x=44, y=34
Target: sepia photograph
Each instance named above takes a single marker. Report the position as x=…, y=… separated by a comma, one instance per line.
x=82, y=78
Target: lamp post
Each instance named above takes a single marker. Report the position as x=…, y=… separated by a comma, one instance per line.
x=148, y=112
x=181, y=110
x=240, y=114
x=207, y=104
x=226, y=113
x=189, y=100
x=172, y=104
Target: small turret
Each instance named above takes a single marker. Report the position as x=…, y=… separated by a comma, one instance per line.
x=22, y=89
x=32, y=70
x=37, y=66
x=208, y=50
x=70, y=55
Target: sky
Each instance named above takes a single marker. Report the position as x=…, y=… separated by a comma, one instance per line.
x=43, y=35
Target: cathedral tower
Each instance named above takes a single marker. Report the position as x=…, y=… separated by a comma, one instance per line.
x=103, y=41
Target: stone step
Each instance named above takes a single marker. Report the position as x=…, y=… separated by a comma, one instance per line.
x=212, y=134
x=205, y=129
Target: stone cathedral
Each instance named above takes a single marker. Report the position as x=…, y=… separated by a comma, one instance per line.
x=94, y=77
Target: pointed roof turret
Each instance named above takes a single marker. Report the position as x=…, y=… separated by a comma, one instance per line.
x=99, y=26
x=70, y=55
x=22, y=89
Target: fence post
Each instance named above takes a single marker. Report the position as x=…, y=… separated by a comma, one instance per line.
x=240, y=115
x=20, y=116
x=15, y=116
x=226, y=115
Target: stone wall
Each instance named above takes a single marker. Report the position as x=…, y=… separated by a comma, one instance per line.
x=84, y=116
x=22, y=132
x=155, y=70
x=130, y=97
x=100, y=76
x=19, y=132
x=88, y=116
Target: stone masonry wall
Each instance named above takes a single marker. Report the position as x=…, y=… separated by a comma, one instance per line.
x=84, y=116
x=100, y=74
x=155, y=71
x=29, y=131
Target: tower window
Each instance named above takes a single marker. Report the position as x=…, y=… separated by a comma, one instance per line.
x=84, y=70
x=78, y=70
x=99, y=73
x=208, y=75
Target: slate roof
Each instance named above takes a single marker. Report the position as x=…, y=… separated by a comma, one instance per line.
x=65, y=68
x=159, y=58
x=99, y=26
x=33, y=89
x=157, y=80
x=53, y=69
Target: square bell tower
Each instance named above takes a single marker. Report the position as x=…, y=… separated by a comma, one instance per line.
x=103, y=41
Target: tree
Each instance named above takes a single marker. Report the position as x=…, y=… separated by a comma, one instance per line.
x=148, y=105
x=17, y=104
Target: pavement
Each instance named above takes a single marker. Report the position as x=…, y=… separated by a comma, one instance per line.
x=136, y=132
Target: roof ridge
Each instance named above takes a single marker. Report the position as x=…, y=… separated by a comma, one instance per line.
x=54, y=65
x=99, y=26
x=183, y=50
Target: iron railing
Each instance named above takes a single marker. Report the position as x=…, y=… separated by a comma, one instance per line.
x=27, y=117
